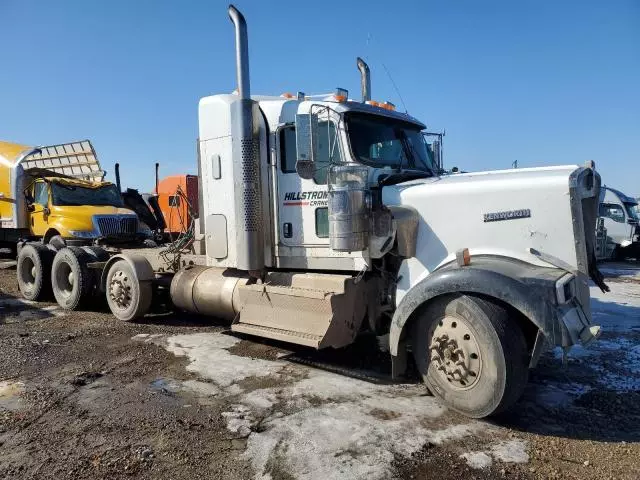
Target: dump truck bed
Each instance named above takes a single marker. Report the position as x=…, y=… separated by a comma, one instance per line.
x=75, y=159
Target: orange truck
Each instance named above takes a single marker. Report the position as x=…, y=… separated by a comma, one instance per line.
x=178, y=199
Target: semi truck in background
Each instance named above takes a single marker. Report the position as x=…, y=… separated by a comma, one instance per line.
x=322, y=218
x=620, y=219
x=178, y=200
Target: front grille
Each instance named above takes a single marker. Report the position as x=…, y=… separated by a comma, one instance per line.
x=114, y=225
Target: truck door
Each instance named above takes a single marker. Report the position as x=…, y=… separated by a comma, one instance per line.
x=38, y=216
x=302, y=217
x=615, y=222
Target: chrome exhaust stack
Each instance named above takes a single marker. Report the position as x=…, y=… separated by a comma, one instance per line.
x=242, y=52
x=365, y=79
x=245, y=118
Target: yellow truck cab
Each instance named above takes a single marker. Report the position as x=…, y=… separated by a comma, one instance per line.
x=78, y=211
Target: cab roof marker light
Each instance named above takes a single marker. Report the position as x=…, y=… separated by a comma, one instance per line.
x=287, y=95
x=341, y=95
x=373, y=103
x=388, y=106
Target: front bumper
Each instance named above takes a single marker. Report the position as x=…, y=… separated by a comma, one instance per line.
x=575, y=326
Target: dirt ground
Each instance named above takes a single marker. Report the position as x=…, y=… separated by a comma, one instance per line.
x=175, y=396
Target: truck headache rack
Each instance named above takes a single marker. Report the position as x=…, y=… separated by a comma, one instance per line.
x=74, y=159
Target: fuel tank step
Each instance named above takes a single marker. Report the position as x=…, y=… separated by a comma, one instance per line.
x=316, y=310
x=291, y=336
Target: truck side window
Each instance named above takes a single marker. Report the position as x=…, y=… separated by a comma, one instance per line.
x=41, y=194
x=288, y=151
x=612, y=211
x=328, y=150
x=322, y=222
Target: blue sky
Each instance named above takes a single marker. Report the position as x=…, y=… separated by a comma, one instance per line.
x=544, y=82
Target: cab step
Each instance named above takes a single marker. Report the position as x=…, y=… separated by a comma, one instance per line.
x=312, y=309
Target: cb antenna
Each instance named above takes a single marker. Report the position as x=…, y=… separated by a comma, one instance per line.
x=396, y=88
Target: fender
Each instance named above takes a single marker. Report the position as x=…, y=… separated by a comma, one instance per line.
x=139, y=264
x=528, y=288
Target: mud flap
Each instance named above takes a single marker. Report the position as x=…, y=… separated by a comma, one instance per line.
x=317, y=310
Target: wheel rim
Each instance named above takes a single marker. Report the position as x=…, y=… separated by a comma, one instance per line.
x=455, y=353
x=28, y=272
x=120, y=290
x=65, y=279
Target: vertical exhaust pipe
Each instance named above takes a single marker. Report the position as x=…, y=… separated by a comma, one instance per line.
x=117, y=169
x=157, y=180
x=242, y=52
x=365, y=79
x=245, y=129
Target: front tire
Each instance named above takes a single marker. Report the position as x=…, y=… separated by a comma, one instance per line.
x=128, y=298
x=470, y=354
x=34, y=271
x=70, y=278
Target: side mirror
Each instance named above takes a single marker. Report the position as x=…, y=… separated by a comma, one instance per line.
x=46, y=211
x=455, y=170
x=306, y=144
x=632, y=221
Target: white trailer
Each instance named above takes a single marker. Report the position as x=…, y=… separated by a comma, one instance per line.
x=325, y=217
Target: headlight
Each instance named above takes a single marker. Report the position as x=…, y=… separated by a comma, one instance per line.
x=83, y=233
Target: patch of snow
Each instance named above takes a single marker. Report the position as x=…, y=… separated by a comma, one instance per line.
x=339, y=440
x=201, y=388
x=261, y=399
x=239, y=420
x=512, y=451
x=477, y=459
x=317, y=424
x=618, y=309
x=210, y=358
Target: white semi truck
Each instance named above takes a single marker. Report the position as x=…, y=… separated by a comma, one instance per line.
x=620, y=218
x=325, y=217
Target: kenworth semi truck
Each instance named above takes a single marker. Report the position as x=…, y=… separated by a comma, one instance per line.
x=324, y=217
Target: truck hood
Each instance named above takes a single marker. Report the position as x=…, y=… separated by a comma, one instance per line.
x=502, y=213
x=80, y=217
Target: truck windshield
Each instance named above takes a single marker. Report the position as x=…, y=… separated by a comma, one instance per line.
x=631, y=210
x=67, y=195
x=385, y=142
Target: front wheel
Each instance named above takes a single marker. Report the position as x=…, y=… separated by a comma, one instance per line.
x=128, y=298
x=470, y=354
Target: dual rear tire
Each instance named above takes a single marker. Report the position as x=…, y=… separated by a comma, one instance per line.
x=34, y=271
x=66, y=274
x=71, y=280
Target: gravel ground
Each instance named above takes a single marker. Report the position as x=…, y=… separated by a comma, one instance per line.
x=85, y=396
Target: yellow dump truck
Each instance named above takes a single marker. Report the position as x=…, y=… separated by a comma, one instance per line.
x=58, y=194
x=54, y=200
